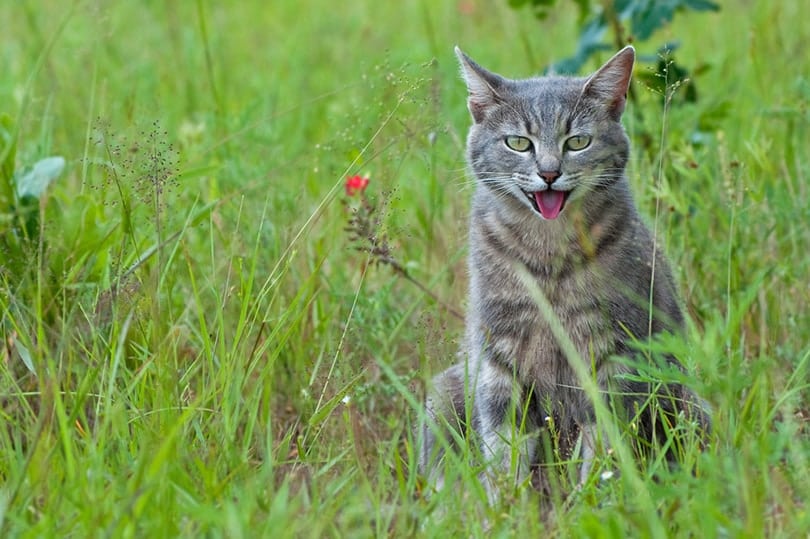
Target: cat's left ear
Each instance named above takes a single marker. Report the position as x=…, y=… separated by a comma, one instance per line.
x=482, y=85
x=612, y=81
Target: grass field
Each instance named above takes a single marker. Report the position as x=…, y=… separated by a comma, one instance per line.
x=193, y=347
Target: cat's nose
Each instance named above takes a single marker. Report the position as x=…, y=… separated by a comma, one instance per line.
x=549, y=176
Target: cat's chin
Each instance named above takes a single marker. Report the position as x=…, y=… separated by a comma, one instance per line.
x=549, y=204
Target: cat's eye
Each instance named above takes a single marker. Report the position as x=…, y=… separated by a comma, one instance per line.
x=577, y=142
x=519, y=144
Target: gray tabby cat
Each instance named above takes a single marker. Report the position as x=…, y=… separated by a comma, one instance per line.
x=552, y=203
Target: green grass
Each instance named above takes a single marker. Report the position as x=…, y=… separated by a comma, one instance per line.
x=191, y=347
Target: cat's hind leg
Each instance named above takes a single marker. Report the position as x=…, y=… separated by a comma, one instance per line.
x=446, y=419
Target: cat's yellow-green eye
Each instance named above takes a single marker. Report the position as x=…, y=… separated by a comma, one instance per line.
x=577, y=142
x=519, y=144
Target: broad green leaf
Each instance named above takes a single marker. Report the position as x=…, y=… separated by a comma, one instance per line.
x=701, y=5
x=34, y=182
x=25, y=355
x=590, y=41
x=650, y=15
x=647, y=16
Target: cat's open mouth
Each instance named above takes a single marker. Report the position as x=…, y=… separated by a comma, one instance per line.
x=548, y=203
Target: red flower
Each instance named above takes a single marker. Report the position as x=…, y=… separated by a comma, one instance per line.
x=356, y=184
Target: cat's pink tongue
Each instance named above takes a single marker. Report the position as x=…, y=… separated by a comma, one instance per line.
x=550, y=202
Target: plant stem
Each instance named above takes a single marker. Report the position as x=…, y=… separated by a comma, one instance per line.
x=398, y=268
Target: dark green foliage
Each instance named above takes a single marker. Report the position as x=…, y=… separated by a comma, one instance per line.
x=647, y=16
x=542, y=8
x=629, y=21
x=20, y=191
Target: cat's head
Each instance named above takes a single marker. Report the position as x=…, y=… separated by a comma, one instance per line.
x=549, y=141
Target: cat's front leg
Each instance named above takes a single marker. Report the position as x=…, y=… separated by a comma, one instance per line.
x=508, y=443
x=591, y=444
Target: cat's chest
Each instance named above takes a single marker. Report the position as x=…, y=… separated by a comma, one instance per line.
x=532, y=296
x=534, y=300
x=508, y=261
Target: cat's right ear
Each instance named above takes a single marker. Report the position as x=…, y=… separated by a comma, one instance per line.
x=482, y=85
x=611, y=82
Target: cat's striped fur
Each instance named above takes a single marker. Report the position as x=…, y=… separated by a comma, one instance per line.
x=563, y=214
